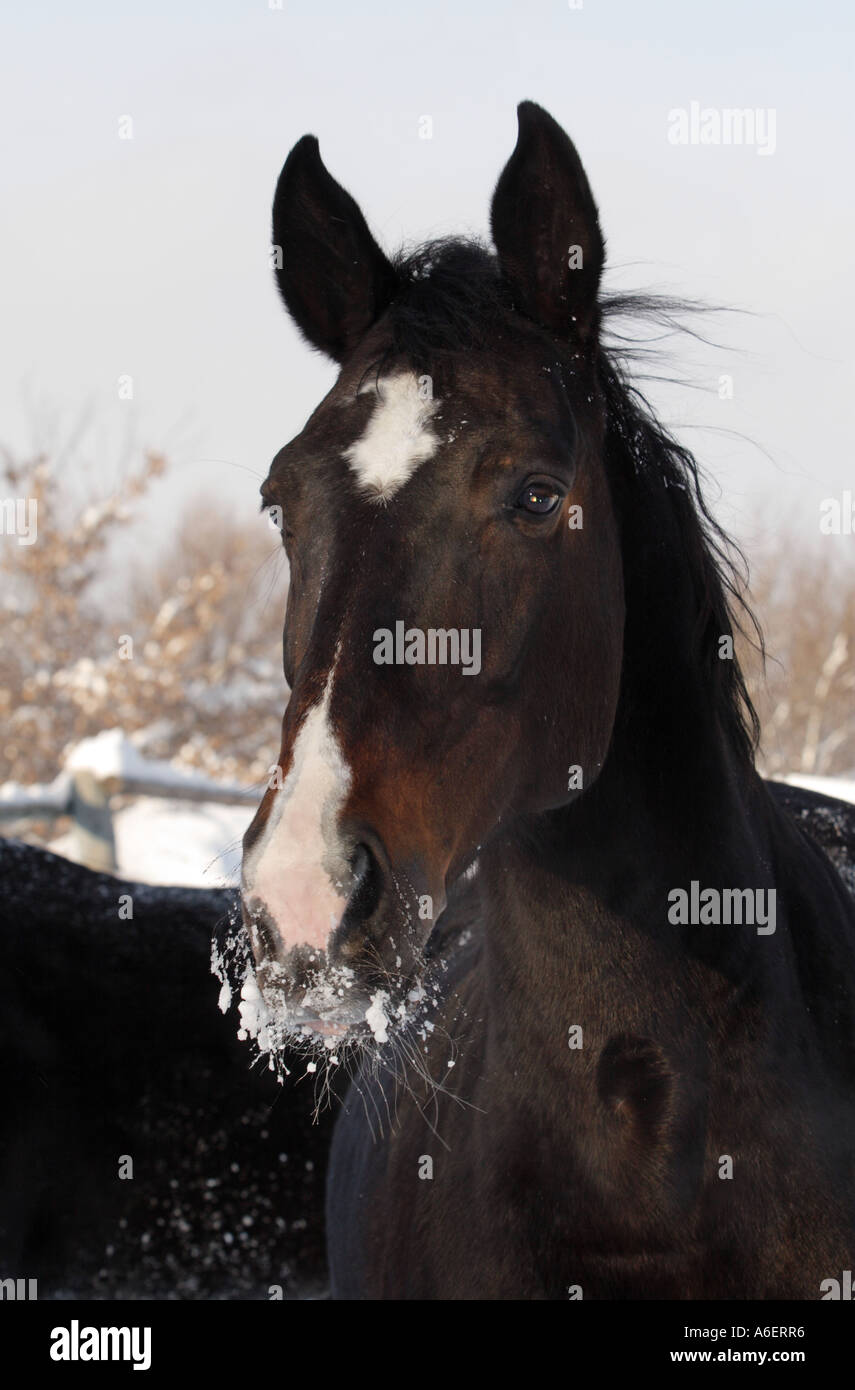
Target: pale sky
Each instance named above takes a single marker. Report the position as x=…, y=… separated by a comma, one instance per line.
x=149, y=256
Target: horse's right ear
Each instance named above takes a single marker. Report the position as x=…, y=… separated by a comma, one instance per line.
x=332, y=275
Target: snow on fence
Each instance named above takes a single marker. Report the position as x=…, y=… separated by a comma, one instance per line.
x=98, y=769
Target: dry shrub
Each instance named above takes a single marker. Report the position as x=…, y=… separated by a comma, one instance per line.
x=805, y=601
x=203, y=684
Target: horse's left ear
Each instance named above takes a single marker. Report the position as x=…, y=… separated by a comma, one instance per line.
x=332, y=275
x=546, y=229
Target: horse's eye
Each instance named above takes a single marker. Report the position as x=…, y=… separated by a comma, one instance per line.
x=538, y=498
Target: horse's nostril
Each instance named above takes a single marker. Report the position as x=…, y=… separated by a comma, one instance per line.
x=367, y=884
x=264, y=930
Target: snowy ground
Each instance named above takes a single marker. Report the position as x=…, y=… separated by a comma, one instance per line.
x=198, y=845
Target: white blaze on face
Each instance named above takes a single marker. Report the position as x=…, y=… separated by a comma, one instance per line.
x=297, y=869
x=397, y=439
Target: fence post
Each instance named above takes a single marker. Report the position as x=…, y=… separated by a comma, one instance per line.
x=92, y=823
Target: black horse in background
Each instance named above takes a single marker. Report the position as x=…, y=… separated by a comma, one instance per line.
x=112, y=1047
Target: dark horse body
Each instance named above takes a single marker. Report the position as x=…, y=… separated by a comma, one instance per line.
x=112, y=1045
x=599, y=1174
x=605, y=1099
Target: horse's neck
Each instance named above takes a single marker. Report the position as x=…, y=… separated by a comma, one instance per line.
x=576, y=902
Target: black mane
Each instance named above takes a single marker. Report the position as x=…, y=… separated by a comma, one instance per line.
x=451, y=299
x=716, y=566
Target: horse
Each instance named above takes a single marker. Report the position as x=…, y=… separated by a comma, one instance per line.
x=140, y=1154
x=516, y=872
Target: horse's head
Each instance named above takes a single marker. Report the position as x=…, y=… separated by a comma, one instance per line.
x=454, y=627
